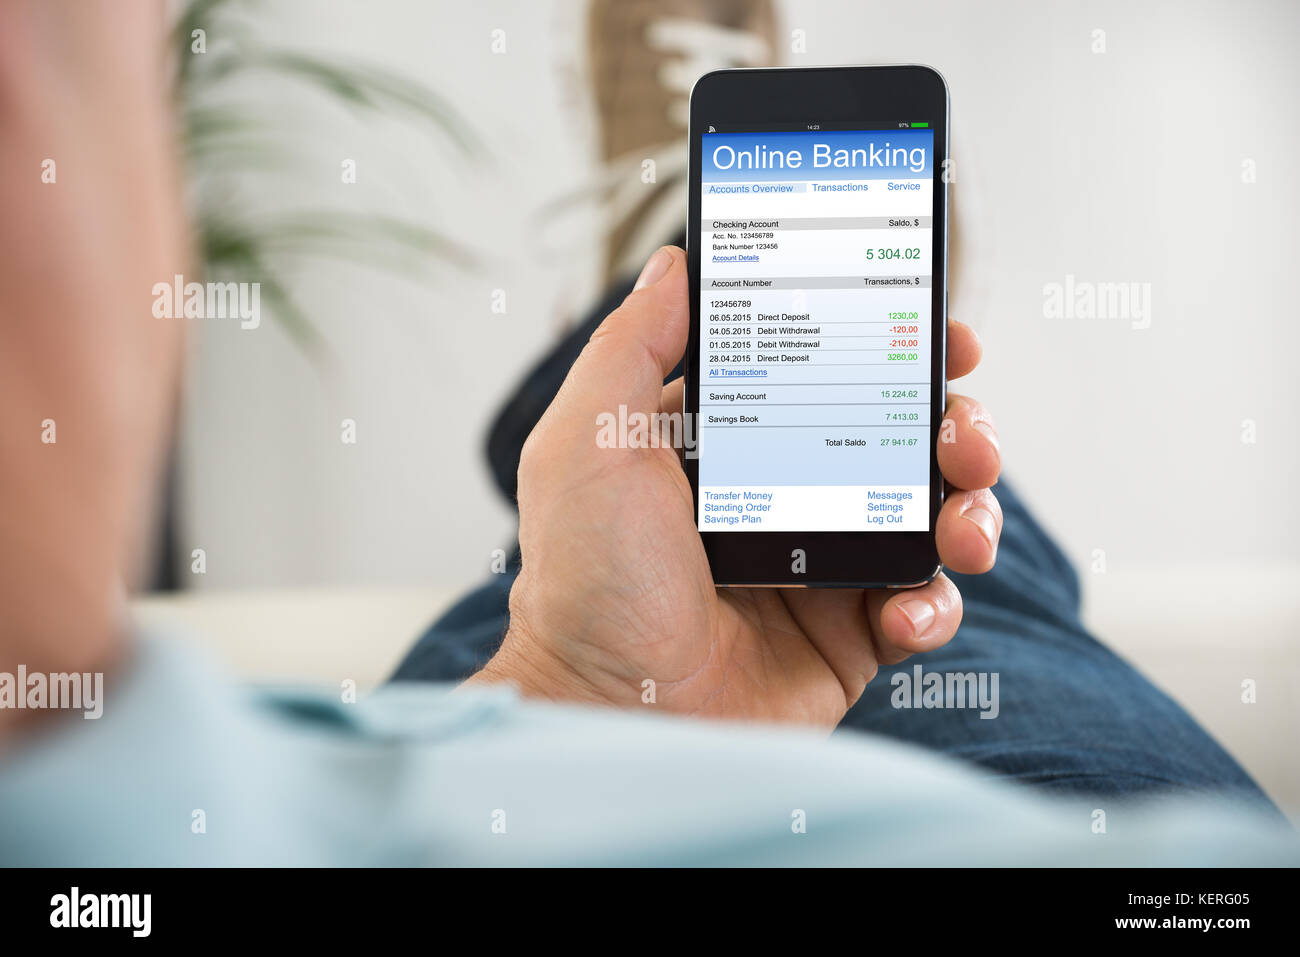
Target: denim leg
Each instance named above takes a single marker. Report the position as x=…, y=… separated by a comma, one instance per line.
x=460, y=642
x=1073, y=717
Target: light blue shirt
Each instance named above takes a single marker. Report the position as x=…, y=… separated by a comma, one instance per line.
x=187, y=767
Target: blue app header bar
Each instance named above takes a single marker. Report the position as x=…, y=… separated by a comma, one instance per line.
x=837, y=155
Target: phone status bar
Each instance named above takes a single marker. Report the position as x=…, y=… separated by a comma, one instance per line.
x=853, y=125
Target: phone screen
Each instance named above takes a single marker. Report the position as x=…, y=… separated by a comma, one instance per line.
x=816, y=250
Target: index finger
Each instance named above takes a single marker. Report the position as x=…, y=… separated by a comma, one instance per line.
x=964, y=349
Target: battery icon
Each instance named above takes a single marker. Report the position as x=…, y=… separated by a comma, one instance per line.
x=920, y=125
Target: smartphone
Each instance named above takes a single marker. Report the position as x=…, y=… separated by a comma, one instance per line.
x=814, y=377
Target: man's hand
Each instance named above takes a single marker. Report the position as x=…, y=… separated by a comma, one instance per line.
x=616, y=589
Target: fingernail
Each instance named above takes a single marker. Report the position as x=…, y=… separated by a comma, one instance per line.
x=654, y=270
x=920, y=613
x=984, y=521
x=989, y=433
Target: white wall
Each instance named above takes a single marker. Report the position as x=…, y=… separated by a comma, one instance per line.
x=270, y=491
x=1118, y=166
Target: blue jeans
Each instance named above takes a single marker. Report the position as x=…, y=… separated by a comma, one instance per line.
x=1072, y=716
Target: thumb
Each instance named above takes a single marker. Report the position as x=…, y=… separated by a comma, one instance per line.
x=638, y=344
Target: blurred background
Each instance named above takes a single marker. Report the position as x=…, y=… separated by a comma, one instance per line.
x=436, y=192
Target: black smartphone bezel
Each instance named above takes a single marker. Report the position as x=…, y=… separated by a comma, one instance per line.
x=830, y=96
